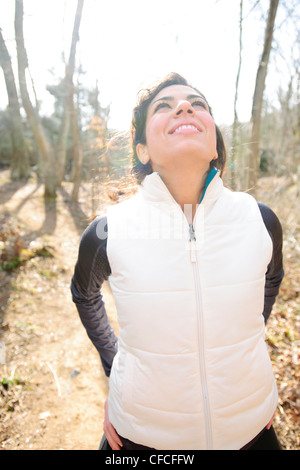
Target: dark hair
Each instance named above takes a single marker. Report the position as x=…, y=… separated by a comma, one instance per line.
x=138, y=125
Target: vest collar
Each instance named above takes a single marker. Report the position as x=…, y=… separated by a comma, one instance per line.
x=154, y=189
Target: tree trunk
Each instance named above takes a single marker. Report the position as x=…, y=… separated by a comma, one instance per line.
x=236, y=120
x=32, y=116
x=258, y=98
x=68, y=87
x=77, y=148
x=19, y=162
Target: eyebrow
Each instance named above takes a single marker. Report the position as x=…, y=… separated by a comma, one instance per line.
x=171, y=98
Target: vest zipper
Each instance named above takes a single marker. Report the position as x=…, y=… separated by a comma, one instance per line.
x=192, y=244
x=199, y=307
x=193, y=258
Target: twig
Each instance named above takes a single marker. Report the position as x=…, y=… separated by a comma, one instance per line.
x=55, y=378
x=13, y=373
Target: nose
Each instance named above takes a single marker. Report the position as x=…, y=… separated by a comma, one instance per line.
x=184, y=107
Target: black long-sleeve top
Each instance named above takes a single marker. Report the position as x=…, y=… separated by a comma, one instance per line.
x=92, y=269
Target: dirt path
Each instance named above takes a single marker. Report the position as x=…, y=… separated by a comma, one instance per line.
x=56, y=387
x=52, y=386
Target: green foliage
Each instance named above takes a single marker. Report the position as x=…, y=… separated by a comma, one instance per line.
x=7, y=383
x=11, y=246
x=10, y=388
x=11, y=264
x=13, y=252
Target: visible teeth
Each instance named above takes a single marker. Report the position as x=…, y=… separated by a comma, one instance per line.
x=188, y=126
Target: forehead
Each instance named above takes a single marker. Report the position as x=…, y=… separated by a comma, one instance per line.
x=177, y=92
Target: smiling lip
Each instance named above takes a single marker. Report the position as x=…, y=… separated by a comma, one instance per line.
x=185, y=128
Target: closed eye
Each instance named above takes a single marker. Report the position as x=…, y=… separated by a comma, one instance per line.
x=161, y=105
x=200, y=103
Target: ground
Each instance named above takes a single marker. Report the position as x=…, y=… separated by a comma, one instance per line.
x=52, y=386
x=55, y=387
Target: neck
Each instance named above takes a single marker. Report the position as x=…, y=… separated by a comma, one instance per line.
x=186, y=188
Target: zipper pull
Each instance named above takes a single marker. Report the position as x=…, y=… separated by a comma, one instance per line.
x=193, y=246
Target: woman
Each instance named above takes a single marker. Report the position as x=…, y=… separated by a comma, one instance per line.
x=194, y=269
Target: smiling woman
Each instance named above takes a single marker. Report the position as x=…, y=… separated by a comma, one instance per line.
x=194, y=269
x=150, y=99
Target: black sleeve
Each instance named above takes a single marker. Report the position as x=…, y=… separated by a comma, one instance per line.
x=91, y=270
x=275, y=271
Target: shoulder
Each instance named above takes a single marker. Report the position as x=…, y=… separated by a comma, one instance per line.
x=271, y=220
x=237, y=207
x=94, y=229
x=122, y=213
x=94, y=237
x=238, y=197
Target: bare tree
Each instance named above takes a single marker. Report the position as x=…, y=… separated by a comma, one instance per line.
x=76, y=147
x=236, y=120
x=53, y=170
x=68, y=96
x=19, y=162
x=32, y=114
x=258, y=97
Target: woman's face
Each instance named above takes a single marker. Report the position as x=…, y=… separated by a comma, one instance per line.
x=180, y=131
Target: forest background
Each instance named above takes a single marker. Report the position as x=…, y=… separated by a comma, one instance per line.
x=64, y=155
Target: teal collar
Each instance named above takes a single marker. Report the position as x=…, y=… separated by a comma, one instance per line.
x=209, y=179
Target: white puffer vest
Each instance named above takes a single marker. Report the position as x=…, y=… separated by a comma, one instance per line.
x=192, y=370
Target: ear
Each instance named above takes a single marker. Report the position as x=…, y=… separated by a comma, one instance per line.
x=142, y=153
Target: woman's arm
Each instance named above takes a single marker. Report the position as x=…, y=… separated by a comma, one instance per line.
x=91, y=270
x=275, y=271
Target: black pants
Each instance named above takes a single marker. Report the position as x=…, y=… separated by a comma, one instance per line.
x=265, y=440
